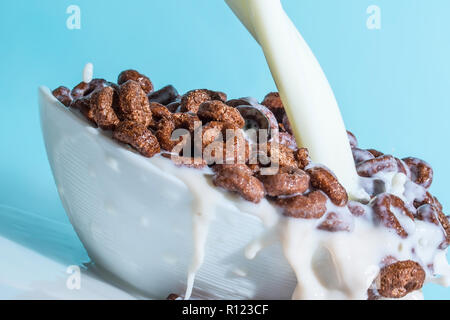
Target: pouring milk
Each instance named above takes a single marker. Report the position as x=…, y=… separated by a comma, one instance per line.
x=306, y=94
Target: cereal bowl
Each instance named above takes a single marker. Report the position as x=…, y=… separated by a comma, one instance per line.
x=133, y=216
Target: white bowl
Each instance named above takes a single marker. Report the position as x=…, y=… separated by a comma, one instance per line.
x=135, y=221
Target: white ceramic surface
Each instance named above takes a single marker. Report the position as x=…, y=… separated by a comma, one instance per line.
x=134, y=218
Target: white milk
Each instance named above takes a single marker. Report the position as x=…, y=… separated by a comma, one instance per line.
x=307, y=96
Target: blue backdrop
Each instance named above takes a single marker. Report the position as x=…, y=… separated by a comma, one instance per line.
x=392, y=84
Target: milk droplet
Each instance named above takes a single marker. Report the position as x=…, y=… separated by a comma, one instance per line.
x=88, y=72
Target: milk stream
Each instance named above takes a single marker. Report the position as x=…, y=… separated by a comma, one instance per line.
x=306, y=94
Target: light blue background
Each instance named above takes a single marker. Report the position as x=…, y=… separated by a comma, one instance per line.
x=392, y=84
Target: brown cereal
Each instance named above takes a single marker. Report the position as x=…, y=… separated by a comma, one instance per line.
x=288, y=181
x=101, y=103
x=402, y=167
x=79, y=90
x=432, y=214
x=82, y=94
x=445, y=223
x=302, y=157
x=421, y=172
x=133, y=75
x=352, y=139
x=437, y=203
x=186, y=121
x=238, y=180
x=211, y=132
x=133, y=104
x=191, y=101
x=287, y=140
x=83, y=104
x=159, y=112
x=428, y=213
x=84, y=89
x=219, y=111
x=223, y=142
x=236, y=148
x=238, y=102
x=398, y=279
x=382, y=208
x=174, y=106
x=426, y=199
x=138, y=136
x=259, y=117
x=356, y=208
x=375, y=153
x=164, y=131
x=311, y=206
x=255, y=168
x=281, y=155
x=333, y=222
x=274, y=103
x=164, y=96
x=63, y=95
x=360, y=155
x=371, y=167
x=324, y=180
